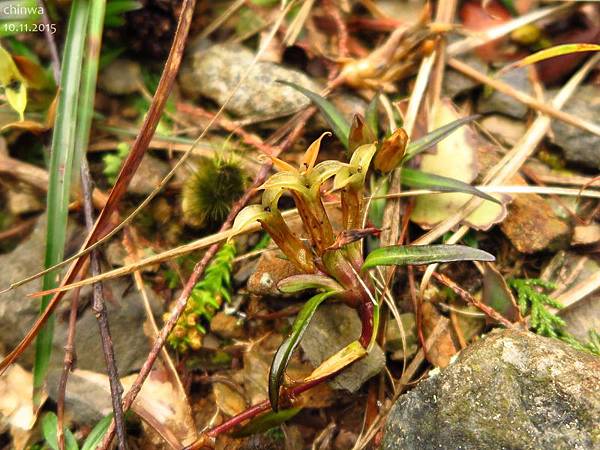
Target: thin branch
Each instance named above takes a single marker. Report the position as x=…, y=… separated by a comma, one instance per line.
x=68, y=363
x=99, y=308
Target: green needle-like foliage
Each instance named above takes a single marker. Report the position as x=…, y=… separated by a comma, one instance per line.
x=206, y=298
x=533, y=300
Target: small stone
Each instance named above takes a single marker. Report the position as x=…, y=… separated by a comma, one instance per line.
x=333, y=327
x=497, y=102
x=511, y=389
x=455, y=83
x=24, y=199
x=506, y=130
x=216, y=71
x=121, y=77
x=148, y=175
x=270, y=270
x=226, y=326
x=579, y=146
x=586, y=234
x=532, y=225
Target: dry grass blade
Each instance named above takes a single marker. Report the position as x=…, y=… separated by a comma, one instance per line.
x=524, y=98
x=579, y=291
x=506, y=167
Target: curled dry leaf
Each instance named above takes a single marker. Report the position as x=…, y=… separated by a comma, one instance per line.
x=455, y=158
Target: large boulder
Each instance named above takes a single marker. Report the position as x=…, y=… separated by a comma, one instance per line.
x=510, y=390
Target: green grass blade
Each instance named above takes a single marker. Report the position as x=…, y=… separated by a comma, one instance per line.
x=423, y=180
x=61, y=165
x=339, y=125
x=287, y=347
x=430, y=139
x=49, y=427
x=97, y=433
x=89, y=77
x=401, y=255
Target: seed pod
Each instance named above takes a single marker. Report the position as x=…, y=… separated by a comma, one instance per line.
x=391, y=152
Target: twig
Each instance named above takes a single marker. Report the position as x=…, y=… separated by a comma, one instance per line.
x=54, y=58
x=524, y=98
x=99, y=308
x=468, y=298
x=68, y=362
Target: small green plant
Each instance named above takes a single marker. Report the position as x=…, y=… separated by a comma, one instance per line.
x=533, y=299
x=50, y=427
x=332, y=261
x=206, y=298
x=209, y=193
x=114, y=161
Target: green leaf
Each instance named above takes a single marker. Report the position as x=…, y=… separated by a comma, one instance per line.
x=247, y=217
x=285, y=350
x=297, y=283
x=400, y=255
x=430, y=139
x=266, y=421
x=49, y=428
x=116, y=7
x=422, y=180
x=97, y=433
x=63, y=154
x=337, y=122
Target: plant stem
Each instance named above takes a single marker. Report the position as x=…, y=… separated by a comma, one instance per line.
x=68, y=362
x=99, y=308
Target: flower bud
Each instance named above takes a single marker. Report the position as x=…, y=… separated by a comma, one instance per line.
x=391, y=152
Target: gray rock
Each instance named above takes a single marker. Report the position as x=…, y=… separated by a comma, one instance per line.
x=121, y=77
x=332, y=328
x=580, y=146
x=510, y=390
x=126, y=316
x=216, y=71
x=455, y=83
x=18, y=312
x=504, y=104
x=150, y=173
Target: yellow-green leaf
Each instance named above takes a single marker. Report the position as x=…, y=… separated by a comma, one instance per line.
x=247, y=217
x=337, y=362
x=310, y=156
x=13, y=83
x=551, y=52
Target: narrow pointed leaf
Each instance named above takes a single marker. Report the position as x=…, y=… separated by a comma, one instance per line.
x=283, y=166
x=551, y=52
x=287, y=347
x=297, y=283
x=401, y=255
x=337, y=122
x=266, y=421
x=337, y=362
x=429, y=140
x=423, y=180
